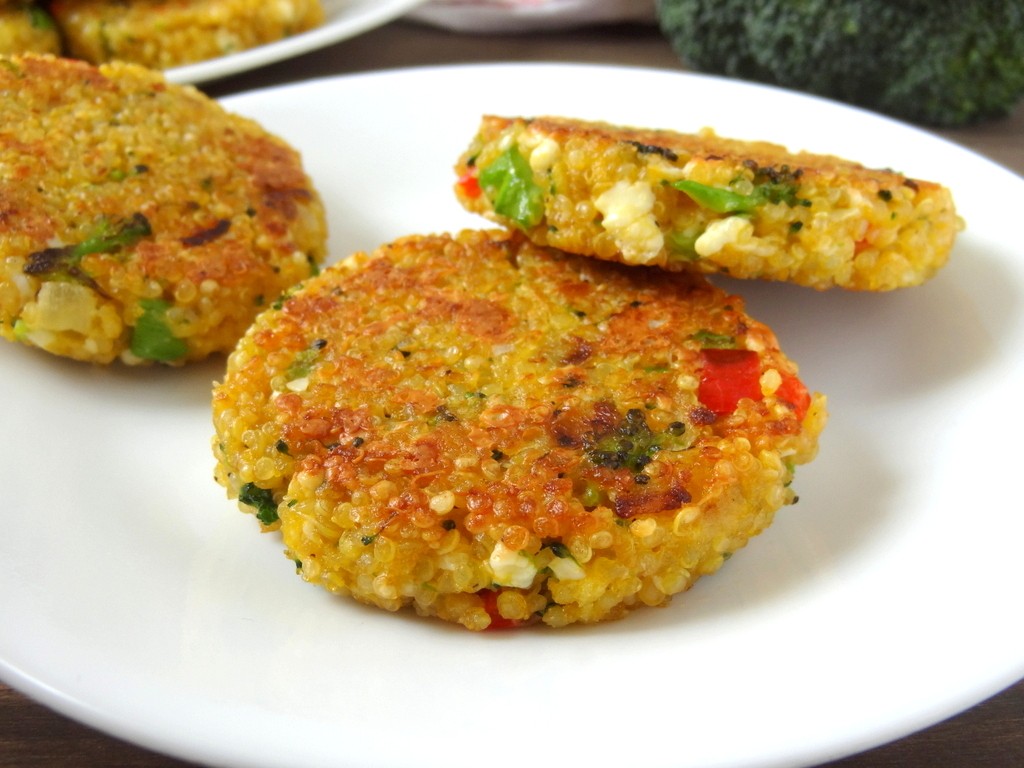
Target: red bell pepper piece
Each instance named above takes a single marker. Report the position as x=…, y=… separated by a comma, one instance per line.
x=727, y=376
x=793, y=391
x=469, y=183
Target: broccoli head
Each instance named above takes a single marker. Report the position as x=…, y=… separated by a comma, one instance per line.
x=935, y=62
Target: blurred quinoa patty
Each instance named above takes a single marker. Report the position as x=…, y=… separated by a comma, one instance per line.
x=27, y=28
x=495, y=433
x=170, y=33
x=138, y=219
x=706, y=203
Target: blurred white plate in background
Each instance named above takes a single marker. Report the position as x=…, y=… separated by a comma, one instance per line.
x=344, y=19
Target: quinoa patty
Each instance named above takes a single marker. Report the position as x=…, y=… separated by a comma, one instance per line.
x=169, y=33
x=139, y=219
x=705, y=203
x=27, y=28
x=494, y=433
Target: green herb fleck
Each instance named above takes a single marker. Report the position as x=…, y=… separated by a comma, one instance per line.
x=710, y=340
x=631, y=444
x=559, y=549
x=21, y=329
x=152, y=338
x=717, y=199
x=682, y=246
x=591, y=496
x=262, y=500
x=303, y=363
x=769, y=188
x=40, y=19
x=108, y=236
x=314, y=267
x=509, y=185
x=286, y=295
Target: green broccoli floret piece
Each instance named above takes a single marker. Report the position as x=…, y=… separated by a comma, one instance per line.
x=935, y=62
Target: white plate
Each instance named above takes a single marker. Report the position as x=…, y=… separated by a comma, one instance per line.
x=343, y=19
x=137, y=599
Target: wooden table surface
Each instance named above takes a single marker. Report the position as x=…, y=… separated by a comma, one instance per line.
x=990, y=735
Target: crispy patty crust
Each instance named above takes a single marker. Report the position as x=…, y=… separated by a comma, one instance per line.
x=139, y=219
x=495, y=433
x=705, y=203
x=169, y=33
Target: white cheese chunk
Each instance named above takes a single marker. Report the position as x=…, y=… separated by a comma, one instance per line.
x=511, y=568
x=627, y=211
x=723, y=232
x=566, y=568
x=544, y=156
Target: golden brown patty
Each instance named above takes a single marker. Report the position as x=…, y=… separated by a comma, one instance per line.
x=492, y=432
x=139, y=219
x=700, y=202
x=169, y=33
x=27, y=28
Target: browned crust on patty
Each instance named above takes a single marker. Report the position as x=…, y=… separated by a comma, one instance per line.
x=431, y=425
x=232, y=217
